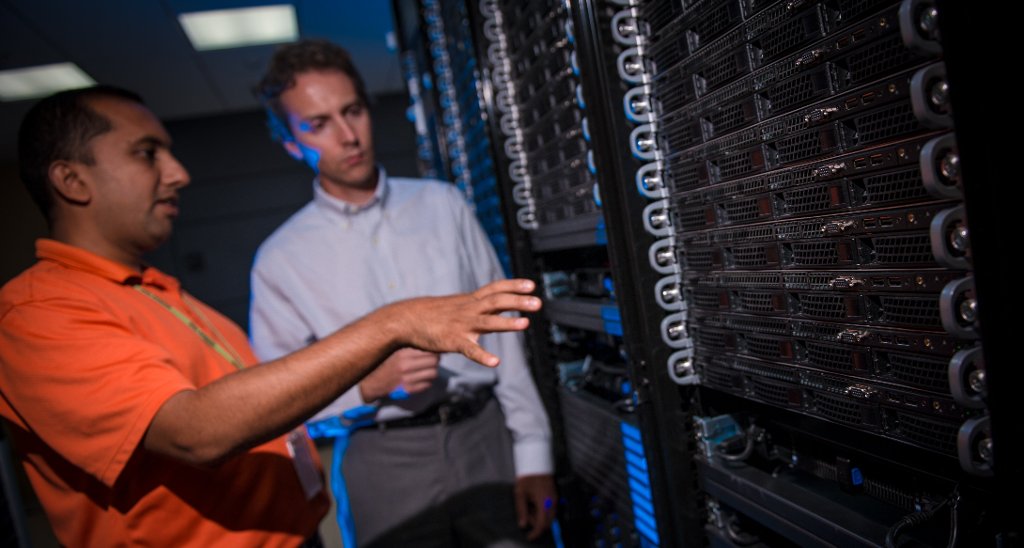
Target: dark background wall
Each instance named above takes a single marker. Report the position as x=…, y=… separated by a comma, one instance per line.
x=243, y=186
x=20, y=224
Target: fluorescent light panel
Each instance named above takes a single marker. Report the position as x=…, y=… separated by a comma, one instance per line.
x=235, y=28
x=32, y=82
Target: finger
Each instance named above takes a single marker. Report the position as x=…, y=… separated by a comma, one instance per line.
x=428, y=362
x=503, y=302
x=522, y=510
x=426, y=376
x=416, y=387
x=494, y=324
x=420, y=354
x=536, y=531
x=539, y=520
x=549, y=513
x=476, y=353
x=518, y=285
x=420, y=364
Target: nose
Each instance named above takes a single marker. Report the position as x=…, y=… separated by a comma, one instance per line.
x=174, y=173
x=346, y=132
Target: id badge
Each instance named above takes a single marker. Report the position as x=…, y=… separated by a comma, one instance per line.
x=310, y=478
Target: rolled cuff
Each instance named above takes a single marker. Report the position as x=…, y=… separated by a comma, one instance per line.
x=533, y=457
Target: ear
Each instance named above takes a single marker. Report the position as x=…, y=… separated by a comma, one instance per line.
x=302, y=153
x=292, y=148
x=68, y=182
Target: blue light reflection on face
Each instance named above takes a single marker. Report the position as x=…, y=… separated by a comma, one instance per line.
x=311, y=156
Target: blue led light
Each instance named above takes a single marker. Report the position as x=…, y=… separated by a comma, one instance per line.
x=645, y=519
x=612, y=320
x=630, y=431
x=639, y=484
x=644, y=506
x=648, y=532
x=634, y=446
x=856, y=477
x=639, y=488
x=637, y=461
x=609, y=285
x=637, y=473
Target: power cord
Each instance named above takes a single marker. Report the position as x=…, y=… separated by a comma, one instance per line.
x=753, y=435
x=917, y=518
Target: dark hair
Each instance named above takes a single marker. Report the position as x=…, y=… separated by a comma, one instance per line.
x=289, y=61
x=60, y=127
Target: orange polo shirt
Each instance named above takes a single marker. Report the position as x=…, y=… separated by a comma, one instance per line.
x=85, y=363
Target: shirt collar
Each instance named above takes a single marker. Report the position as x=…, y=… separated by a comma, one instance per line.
x=77, y=258
x=380, y=194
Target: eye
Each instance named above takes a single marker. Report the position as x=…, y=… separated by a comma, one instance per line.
x=355, y=110
x=312, y=126
x=147, y=153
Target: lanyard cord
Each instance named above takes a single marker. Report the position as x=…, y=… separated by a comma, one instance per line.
x=224, y=349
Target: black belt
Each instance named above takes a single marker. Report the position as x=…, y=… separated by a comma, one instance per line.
x=447, y=413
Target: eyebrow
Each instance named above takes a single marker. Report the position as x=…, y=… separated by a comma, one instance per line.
x=320, y=115
x=303, y=122
x=152, y=140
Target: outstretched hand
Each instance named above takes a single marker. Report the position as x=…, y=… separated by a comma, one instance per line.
x=455, y=323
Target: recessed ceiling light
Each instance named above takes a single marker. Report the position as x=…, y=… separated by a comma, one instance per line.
x=235, y=28
x=32, y=82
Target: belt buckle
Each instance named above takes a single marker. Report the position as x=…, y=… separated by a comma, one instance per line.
x=444, y=411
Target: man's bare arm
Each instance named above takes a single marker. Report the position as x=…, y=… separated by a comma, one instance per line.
x=250, y=407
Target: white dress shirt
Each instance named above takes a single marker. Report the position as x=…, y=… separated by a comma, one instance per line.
x=332, y=263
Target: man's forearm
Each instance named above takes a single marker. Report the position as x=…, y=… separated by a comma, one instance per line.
x=250, y=407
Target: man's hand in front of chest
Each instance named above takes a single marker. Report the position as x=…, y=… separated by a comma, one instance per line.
x=410, y=369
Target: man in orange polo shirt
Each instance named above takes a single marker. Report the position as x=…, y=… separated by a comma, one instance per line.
x=133, y=406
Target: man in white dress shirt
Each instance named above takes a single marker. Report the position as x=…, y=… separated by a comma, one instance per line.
x=455, y=454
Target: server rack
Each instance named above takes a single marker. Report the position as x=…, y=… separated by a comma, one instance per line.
x=978, y=97
x=750, y=219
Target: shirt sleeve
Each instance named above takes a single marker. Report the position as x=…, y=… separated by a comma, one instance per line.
x=277, y=328
x=83, y=382
x=515, y=390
